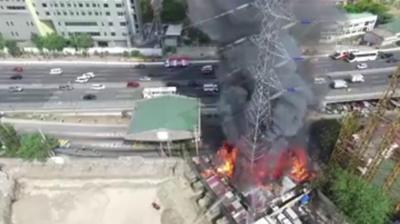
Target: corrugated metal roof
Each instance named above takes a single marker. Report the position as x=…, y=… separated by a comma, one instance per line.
x=169, y=113
x=174, y=30
x=393, y=26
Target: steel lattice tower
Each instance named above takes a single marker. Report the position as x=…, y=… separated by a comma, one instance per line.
x=271, y=55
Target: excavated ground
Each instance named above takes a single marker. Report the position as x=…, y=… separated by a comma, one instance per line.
x=101, y=191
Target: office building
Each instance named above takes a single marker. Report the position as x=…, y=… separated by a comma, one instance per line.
x=111, y=23
x=355, y=24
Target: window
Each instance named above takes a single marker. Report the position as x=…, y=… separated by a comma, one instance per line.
x=44, y=5
x=107, y=13
x=7, y=23
x=96, y=13
x=120, y=13
x=16, y=7
x=58, y=13
x=112, y=33
x=71, y=13
x=77, y=13
x=16, y=34
x=31, y=23
x=87, y=5
x=94, y=5
x=65, y=13
x=124, y=34
x=80, y=23
x=59, y=23
x=83, y=13
x=62, y=33
x=105, y=33
x=105, y=5
x=12, y=23
x=110, y=23
x=69, y=4
x=62, y=4
x=80, y=5
x=55, y=5
x=122, y=23
x=118, y=5
x=89, y=13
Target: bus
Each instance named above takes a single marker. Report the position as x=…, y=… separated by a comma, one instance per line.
x=362, y=56
x=158, y=91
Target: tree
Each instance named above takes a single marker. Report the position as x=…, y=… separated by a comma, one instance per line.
x=373, y=7
x=325, y=134
x=146, y=10
x=358, y=200
x=54, y=41
x=13, y=48
x=2, y=42
x=9, y=139
x=81, y=41
x=38, y=41
x=36, y=146
x=173, y=11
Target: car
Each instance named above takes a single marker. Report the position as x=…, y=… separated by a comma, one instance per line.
x=176, y=62
x=362, y=66
x=386, y=55
x=207, y=69
x=89, y=97
x=145, y=78
x=65, y=87
x=193, y=83
x=88, y=75
x=170, y=84
x=132, y=84
x=140, y=66
x=392, y=60
x=81, y=79
x=56, y=71
x=15, y=89
x=16, y=77
x=97, y=86
x=18, y=69
x=319, y=80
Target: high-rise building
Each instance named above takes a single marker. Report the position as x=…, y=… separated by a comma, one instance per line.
x=111, y=23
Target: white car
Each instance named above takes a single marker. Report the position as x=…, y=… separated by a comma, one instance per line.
x=319, y=80
x=81, y=79
x=97, y=86
x=56, y=71
x=145, y=78
x=362, y=66
x=88, y=75
x=15, y=89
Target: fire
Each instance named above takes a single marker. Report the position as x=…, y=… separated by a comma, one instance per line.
x=226, y=156
x=299, y=167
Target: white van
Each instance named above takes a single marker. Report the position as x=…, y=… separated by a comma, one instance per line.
x=339, y=84
x=56, y=71
x=354, y=78
x=210, y=87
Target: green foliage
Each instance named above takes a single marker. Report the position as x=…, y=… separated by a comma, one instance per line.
x=9, y=140
x=147, y=11
x=173, y=11
x=13, y=48
x=197, y=35
x=325, y=134
x=373, y=7
x=2, y=42
x=54, y=42
x=36, y=146
x=135, y=53
x=81, y=41
x=38, y=41
x=358, y=200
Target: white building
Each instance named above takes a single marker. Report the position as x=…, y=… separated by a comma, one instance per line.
x=355, y=24
x=111, y=23
x=384, y=35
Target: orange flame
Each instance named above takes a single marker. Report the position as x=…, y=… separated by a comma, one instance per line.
x=227, y=155
x=299, y=169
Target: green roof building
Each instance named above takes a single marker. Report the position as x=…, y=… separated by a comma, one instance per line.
x=164, y=119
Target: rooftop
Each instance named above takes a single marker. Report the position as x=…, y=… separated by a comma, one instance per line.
x=174, y=30
x=360, y=15
x=178, y=116
x=393, y=26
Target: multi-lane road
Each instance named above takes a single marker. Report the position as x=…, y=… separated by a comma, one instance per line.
x=42, y=89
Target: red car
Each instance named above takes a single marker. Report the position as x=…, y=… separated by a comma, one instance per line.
x=132, y=84
x=18, y=69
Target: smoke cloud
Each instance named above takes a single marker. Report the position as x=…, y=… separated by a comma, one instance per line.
x=288, y=110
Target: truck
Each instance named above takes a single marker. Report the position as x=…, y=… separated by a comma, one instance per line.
x=339, y=84
x=354, y=78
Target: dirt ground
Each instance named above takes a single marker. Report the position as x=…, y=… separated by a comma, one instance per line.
x=85, y=201
x=102, y=191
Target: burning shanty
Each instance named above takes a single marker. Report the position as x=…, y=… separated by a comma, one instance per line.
x=278, y=190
